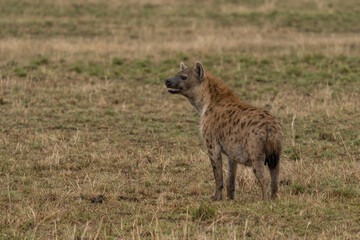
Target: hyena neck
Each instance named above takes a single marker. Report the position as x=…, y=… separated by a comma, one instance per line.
x=198, y=103
x=211, y=92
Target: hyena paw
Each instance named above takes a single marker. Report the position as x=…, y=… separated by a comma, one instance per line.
x=274, y=196
x=216, y=197
x=231, y=195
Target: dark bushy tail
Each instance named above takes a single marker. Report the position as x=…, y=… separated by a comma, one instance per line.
x=272, y=160
x=273, y=148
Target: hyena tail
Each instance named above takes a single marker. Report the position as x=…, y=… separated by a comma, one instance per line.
x=272, y=160
x=273, y=152
x=273, y=148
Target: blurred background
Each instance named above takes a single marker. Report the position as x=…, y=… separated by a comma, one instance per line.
x=141, y=28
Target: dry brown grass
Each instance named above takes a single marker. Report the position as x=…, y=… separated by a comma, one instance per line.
x=234, y=40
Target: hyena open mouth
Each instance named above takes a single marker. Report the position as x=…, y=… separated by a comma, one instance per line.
x=173, y=90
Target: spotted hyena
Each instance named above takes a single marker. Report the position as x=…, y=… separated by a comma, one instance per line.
x=245, y=134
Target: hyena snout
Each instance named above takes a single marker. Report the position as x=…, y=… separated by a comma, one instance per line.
x=172, y=85
x=168, y=82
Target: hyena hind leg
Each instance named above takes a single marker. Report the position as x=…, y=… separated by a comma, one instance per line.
x=274, y=174
x=259, y=171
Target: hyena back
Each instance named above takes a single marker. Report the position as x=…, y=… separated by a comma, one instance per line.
x=245, y=134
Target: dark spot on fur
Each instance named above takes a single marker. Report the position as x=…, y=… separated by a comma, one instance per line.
x=204, y=131
x=262, y=116
x=255, y=123
x=254, y=170
x=263, y=124
x=242, y=125
x=253, y=109
x=249, y=122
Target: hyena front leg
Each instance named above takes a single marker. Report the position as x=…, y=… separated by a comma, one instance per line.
x=230, y=186
x=216, y=163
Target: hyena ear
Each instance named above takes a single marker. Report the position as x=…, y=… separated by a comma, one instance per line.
x=182, y=66
x=199, y=69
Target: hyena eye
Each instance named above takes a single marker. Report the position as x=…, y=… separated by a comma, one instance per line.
x=183, y=77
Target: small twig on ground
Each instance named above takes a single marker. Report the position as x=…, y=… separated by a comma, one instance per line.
x=293, y=131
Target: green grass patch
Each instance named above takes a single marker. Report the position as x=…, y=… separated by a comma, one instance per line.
x=203, y=212
x=20, y=72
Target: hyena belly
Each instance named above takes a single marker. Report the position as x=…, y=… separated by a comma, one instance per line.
x=235, y=151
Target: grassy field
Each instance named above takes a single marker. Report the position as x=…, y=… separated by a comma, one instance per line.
x=92, y=145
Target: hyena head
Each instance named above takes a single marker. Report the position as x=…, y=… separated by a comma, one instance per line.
x=186, y=80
